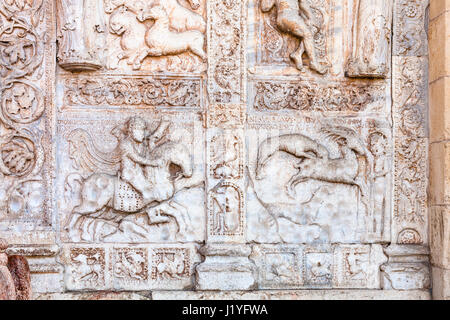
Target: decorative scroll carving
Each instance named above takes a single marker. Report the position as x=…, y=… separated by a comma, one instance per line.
x=225, y=49
x=133, y=91
x=371, y=39
x=22, y=102
x=272, y=95
x=19, y=155
x=305, y=20
x=21, y=49
x=410, y=165
x=81, y=29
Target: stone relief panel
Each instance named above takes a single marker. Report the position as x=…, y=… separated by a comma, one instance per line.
x=26, y=82
x=156, y=35
x=226, y=57
x=282, y=136
x=371, y=39
x=129, y=268
x=114, y=92
x=136, y=179
x=324, y=178
x=286, y=30
x=411, y=20
x=318, y=266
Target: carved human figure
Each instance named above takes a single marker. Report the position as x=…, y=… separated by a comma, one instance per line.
x=378, y=146
x=226, y=209
x=293, y=17
x=133, y=151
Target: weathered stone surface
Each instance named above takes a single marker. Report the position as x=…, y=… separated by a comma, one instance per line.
x=226, y=267
x=7, y=288
x=294, y=295
x=20, y=272
x=407, y=268
x=223, y=145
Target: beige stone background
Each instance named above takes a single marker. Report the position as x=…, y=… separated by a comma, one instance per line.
x=218, y=106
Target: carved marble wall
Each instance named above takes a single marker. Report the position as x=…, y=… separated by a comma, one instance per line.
x=215, y=145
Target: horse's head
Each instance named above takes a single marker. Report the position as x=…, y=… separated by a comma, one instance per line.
x=195, y=4
x=119, y=20
x=155, y=13
x=267, y=5
x=175, y=159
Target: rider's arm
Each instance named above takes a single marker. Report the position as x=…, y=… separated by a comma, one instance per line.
x=135, y=157
x=305, y=8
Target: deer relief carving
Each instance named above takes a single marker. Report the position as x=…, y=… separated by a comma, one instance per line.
x=136, y=177
x=300, y=20
x=175, y=30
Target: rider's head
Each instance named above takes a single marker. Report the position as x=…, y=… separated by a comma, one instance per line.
x=137, y=128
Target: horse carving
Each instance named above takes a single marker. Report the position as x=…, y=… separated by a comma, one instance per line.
x=141, y=175
x=175, y=30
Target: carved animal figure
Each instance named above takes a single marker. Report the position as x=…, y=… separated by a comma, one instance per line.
x=295, y=144
x=345, y=169
x=104, y=189
x=181, y=19
x=98, y=190
x=130, y=264
x=88, y=267
x=295, y=17
x=161, y=41
x=123, y=23
x=171, y=268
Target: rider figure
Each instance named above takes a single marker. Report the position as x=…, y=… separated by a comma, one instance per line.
x=134, y=153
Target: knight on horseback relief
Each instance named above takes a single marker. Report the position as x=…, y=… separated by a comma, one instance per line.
x=136, y=180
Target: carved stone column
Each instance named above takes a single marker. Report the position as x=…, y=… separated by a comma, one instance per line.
x=439, y=88
x=81, y=34
x=226, y=265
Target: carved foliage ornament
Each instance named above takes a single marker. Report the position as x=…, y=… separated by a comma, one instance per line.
x=21, y=49
x=22, y=102
x=310, y=97
x=225, y=49
x=132, y=91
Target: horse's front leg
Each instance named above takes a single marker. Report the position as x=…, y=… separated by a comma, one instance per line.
x=137, y=59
